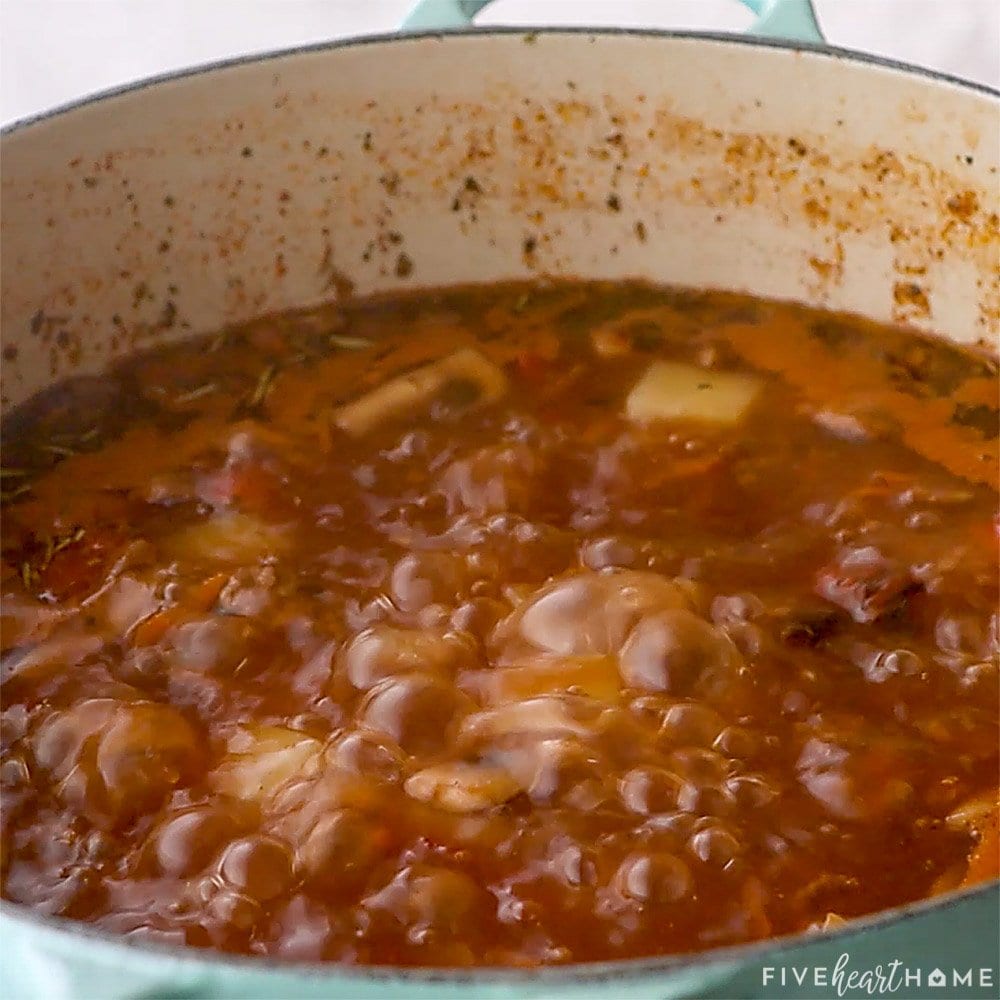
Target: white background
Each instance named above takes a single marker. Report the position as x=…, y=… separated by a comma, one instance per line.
x=53, y=51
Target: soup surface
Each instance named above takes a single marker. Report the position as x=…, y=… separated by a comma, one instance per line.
x=515, y=625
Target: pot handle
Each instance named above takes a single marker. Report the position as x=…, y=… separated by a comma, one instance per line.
x=788, y=20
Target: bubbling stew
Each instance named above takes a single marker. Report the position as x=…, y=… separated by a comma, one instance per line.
x=515, y=625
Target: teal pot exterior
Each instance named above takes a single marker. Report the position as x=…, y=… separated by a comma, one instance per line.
x=298, y=143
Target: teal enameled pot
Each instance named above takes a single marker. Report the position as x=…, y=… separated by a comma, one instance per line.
x=770, y=164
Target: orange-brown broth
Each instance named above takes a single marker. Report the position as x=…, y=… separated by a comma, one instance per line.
x=760, y=683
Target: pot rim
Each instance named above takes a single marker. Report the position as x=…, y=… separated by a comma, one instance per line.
x=582, y=972
x=358, y=41
x=736, y=956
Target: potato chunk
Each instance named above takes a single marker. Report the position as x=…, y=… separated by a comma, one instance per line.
x=595, y=676
x=466, y=366
x=260, y=759
x=113, y=760
x=229, y=538
x=547, y=714
x=460, y=787
x=387, y=650
x=670, y=390
x=585, y=614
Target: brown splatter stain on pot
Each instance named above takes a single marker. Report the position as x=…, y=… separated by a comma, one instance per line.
x=535, y=157
x=404, y=266
x=911, y=300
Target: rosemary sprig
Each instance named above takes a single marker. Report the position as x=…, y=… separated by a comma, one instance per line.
x=59, y=450
x=219, y=341
x=8, y=496
x=54, y=544
x=263, y=386
x=348, y=343
x=198, y=392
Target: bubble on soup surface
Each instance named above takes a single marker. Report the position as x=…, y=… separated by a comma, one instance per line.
x=654, y=878
x=259, y=759
x=478, y=616
x=602, y=553
x=737, y=743
x=430, y=897
x=216, y=644
x=646, y=790
x=128, y=601
x=587, y=613
x=417, y=710
x=462, y=787
x=492, y=480
x=715, y=846
x=573, y=864
x=338, y=852
x=386, y=650
x=372, y=755
x=596, y=677
x=422, y=578
x=232, y=910
x=698, y=765
x=692, y=724
x=248, y=591
x=750, y=791
x=305, y=930
x=677, y=652
x=852, y=780
x=555, y=769
x=187, y=841
x=546, y=714
x=117, y=760
x=258, y=866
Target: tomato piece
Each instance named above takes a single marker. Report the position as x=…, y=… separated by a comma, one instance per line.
x=80, y=567
x=251, y=488
x=532, y=366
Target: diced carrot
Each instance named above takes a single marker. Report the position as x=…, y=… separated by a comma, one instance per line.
x=152, y=629
x=200, y=597
x=203, y=595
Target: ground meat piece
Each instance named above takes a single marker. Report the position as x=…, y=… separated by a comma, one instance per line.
x=865, y=583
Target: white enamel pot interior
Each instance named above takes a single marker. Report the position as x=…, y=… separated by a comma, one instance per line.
x=174, y=207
